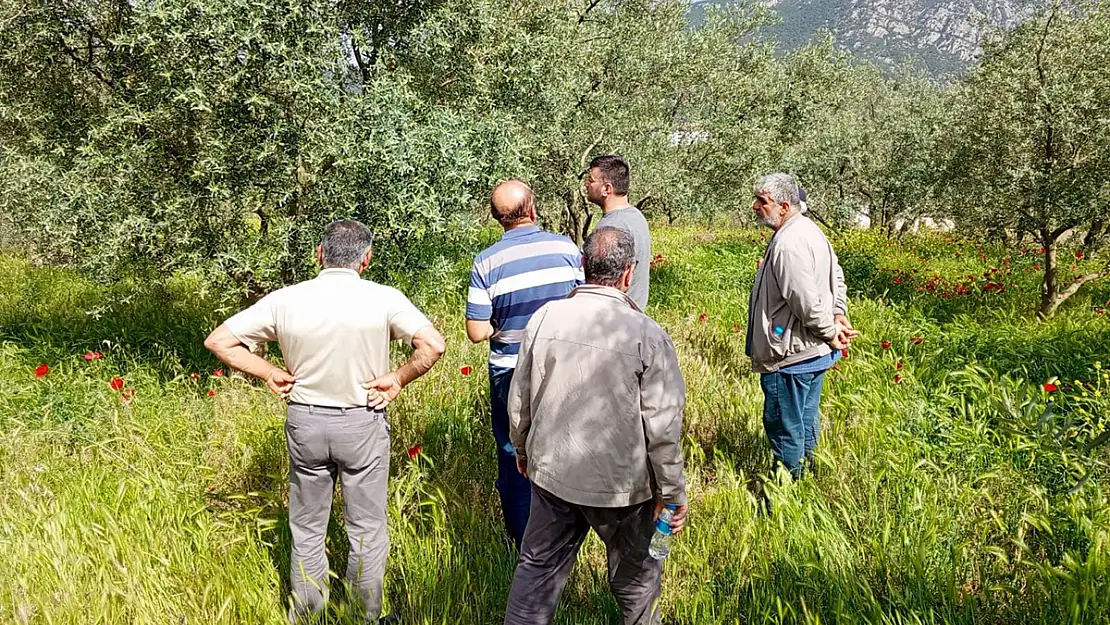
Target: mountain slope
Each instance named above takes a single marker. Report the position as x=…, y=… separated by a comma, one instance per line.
x=943, y=35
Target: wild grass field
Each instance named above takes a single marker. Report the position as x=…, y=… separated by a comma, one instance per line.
x=961, y=475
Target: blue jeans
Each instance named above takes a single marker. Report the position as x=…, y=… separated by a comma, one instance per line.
x=790, y=416
x=514, y=488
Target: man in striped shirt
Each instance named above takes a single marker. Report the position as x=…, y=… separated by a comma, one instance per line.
x=510, y=280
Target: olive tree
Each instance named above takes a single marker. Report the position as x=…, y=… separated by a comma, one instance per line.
x=1031, y=139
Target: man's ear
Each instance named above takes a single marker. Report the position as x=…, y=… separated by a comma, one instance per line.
x=626, y=279
x=320, y=254
x=366, y=259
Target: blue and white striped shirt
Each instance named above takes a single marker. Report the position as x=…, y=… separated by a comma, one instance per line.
x=513, y=278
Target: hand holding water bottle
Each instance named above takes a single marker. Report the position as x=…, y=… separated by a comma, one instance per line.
x=678, y=518
x=669, y=520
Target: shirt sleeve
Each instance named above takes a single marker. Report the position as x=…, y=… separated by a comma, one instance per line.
x=479, y=306
x=662, y=399
x=520, y=389
x=257, y=324
x=579, y=272
x=840, y=306
x=405, y=319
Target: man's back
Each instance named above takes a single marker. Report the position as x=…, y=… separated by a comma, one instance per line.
x=602, y=388
x=515, y=277
x=632, y=220
x=334, y=332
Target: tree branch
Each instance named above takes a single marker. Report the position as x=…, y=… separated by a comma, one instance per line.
x=582, y=16
x=358, y=59
x=582, y=98
x=586, y=153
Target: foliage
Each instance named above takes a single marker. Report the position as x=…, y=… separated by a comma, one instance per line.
x=219, y=136
x=1029, y=138
x=863, y=142
x=947, y=491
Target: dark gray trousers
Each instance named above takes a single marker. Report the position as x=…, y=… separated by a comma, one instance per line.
x=353, y=444
x=555, y=532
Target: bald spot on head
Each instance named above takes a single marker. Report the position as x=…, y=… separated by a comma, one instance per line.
x=606, y=254
x=511, y=203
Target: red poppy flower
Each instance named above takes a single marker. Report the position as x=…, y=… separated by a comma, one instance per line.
x=898, y=365
x=1036, y=267
x=703, y=317
x=467, y=370
x=1079, y=254
x=194, y=376
x=916, y=340
x=91, y=356
x=886, y=344
x=897, y=378
x=211, y=392
x=1073, y=267
x=1049, y=387
x=41, y=371
x=116, y=384
x=1040, y=251
x=414, y=451
x=218, y=373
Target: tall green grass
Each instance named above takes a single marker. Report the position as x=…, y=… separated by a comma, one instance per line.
x=958, y=494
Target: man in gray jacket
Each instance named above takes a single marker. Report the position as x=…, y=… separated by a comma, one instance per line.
x=797, y=321
x=595, y=412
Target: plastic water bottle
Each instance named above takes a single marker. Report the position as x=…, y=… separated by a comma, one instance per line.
x=661, y=539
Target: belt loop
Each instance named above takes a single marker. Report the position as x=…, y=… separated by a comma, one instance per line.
x=311, y=409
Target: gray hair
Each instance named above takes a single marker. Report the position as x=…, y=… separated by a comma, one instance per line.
x=345, y=243
x=608, y=252
x=781, y=187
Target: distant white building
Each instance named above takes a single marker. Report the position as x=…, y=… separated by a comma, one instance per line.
x=688, y=137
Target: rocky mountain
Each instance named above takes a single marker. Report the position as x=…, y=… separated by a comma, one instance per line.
x=943, y=35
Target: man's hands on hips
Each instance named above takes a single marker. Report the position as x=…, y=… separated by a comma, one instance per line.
x=380, y=392
x=280, y=382
x=678, y=520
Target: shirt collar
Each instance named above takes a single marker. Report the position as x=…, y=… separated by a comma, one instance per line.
x=520, y=232
x=339, y=271
x=605, y=291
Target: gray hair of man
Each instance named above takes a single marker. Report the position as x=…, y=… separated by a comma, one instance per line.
x=781, y=187
x=607, y=253
x=345, y=244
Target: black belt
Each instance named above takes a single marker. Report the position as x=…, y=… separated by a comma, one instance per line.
x=313, y=409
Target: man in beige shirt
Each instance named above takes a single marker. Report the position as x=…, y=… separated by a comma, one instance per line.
x=334, y=332
x=595, y=412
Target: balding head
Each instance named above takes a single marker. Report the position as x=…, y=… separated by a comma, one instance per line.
x=608, y=254
x=512, y=204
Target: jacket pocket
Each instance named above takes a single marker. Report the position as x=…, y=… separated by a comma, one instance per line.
x=781, y=333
